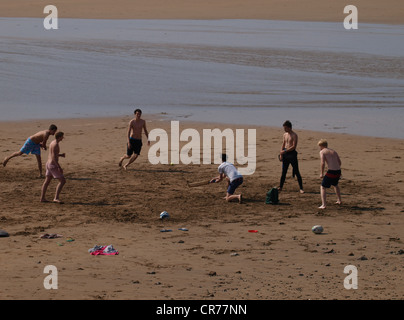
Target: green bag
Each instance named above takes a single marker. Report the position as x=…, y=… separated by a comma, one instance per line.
x=272, y=196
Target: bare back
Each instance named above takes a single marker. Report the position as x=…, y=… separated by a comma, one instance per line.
x=332, y=159
x=40, y=136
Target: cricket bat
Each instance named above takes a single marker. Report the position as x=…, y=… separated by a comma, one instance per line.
x=199, y=183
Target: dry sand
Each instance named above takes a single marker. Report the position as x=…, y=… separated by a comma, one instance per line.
x=217, y=258
x=370, y=11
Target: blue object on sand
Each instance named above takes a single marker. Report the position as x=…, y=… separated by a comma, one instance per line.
x=3, y=234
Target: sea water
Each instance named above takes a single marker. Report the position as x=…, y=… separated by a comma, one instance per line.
x=318, y=75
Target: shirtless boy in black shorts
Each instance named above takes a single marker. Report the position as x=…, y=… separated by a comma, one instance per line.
x=333, y=174
x=288, y=155
x=134, y=145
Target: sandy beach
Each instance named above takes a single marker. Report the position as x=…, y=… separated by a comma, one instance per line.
x=370, y=11
x=217, y=258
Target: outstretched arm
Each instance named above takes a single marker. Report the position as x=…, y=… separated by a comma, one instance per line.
x=218, y=178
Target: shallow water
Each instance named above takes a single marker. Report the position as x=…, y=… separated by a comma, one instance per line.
x=318, y=75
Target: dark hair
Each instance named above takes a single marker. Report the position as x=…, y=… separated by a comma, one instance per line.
x=53, y=127
x=137, y=110
x=288, y=124
x=59, y=135
x=224, y=157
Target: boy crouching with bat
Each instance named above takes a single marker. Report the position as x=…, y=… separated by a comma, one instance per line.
x=233, y=177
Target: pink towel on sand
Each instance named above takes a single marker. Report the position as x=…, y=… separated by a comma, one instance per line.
x=103, y=251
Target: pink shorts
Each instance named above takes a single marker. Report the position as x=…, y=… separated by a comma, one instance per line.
x=53, y=171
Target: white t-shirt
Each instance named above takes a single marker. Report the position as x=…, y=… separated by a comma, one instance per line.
x=230, y=171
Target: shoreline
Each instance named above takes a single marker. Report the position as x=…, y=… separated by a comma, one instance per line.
x=165, y=118
x=280, y=20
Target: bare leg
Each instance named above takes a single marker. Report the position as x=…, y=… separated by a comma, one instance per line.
x=45, y=185
x=59, y=187
x=338, y=192
x=323, y=197
x=230, y=197
x=123, y=158
x=134, y=157
x=7, y=159
x=38, y=159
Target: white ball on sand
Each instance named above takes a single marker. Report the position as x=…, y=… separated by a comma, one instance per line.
x=317, y=229
x=164, y=215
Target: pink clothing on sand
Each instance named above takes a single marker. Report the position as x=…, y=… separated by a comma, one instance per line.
x=103, y=251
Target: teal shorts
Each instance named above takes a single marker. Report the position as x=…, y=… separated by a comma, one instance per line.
x=31, y=147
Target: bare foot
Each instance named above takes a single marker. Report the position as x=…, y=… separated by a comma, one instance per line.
x=120, y=162
x=57, y=201
x=125, y=167
x=322, y=207
x=338, y=202
x=279, y=189
x=4, y=163
x=240, y=199
x=301, y=191
x=44, y=200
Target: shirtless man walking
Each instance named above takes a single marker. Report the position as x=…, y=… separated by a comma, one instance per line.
x=333, y=174
x=53, y=168
x=288, y=155
x=134, y=145
x=33, y=145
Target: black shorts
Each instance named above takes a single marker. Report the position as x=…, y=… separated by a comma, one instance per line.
x=135, y=146
x=331, y=178
x=233, y=185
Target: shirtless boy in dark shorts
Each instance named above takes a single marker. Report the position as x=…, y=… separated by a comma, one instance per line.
x=333, y=174
x=288, y=155
x=134, y=144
